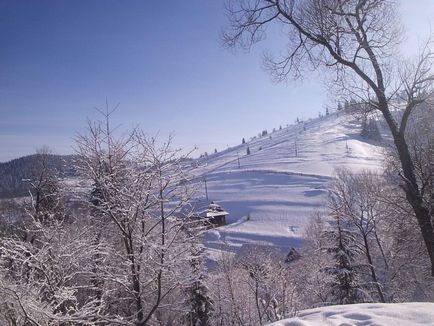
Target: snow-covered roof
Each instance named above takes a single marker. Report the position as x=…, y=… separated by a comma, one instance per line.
x=204, y=209
x=216, y=213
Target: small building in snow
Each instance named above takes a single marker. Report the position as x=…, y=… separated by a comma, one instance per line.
x=204, y=211
x=215, y=214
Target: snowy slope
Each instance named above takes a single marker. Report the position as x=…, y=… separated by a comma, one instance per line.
x=320, y=148
x=271, y=195
x=381, y=314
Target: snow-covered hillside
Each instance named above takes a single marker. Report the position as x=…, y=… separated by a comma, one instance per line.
x=272, y=191
x=380, y=314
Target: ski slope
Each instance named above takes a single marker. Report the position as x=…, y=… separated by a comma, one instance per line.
x=271, y=193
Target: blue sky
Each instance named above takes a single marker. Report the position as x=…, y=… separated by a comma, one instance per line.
x=161, y=60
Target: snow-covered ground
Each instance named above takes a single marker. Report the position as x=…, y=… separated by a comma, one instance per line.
x=380, y=314
x=271, y=192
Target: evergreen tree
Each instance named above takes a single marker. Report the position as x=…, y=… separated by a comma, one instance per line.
x=370, y=129
x=243, y=141
x=347, y=106
x=248, y=150
x=345, y=287
x=198, y=301
x=200, y=304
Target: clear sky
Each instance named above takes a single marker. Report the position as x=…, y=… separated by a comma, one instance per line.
x=161, y=60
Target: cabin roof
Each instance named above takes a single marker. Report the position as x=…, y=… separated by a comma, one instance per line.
x=216, y=213
x=204, y=209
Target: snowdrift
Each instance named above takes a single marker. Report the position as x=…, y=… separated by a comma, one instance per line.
x=387, y=314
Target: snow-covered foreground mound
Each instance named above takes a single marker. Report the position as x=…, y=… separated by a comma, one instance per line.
x=272, y=184
x=387, y=314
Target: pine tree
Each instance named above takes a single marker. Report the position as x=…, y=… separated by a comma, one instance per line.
x=347, y=106
x=243, y=141
x=345, y=287
x=198, y=301
x=370, y=129
x=248, y=150
x=200, y=304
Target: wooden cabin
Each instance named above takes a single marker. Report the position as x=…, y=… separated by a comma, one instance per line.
x=215, y=214
x=208, y=213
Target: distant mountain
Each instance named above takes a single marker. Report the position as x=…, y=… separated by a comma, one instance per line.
x=13, y=173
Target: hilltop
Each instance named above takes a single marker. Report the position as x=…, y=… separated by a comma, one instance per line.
x=271, y=192
x=14, y=173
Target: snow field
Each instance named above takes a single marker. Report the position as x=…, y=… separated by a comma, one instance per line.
x=366, y=314
x=274, y=190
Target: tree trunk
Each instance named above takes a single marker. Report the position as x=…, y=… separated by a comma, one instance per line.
x=372, y=269
x=411, y=188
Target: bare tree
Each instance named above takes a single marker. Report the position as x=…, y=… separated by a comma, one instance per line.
x=367, y=221
x=44, y=258
x=354, y=199
x=255, y=290
x=310, y=270
x=46, y=201
x=139, y=188
x=356, y=40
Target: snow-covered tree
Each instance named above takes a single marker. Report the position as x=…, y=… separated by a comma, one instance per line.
x=141, y=190
x=253, y=290
x=198, y=300
x=357, y=210
x=369, y=246
x=345, y=287
x=370, y=129
x=45, y=262
x=357, y=41
x=46, y=201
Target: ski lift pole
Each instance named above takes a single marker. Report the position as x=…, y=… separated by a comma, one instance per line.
x=206, y=189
